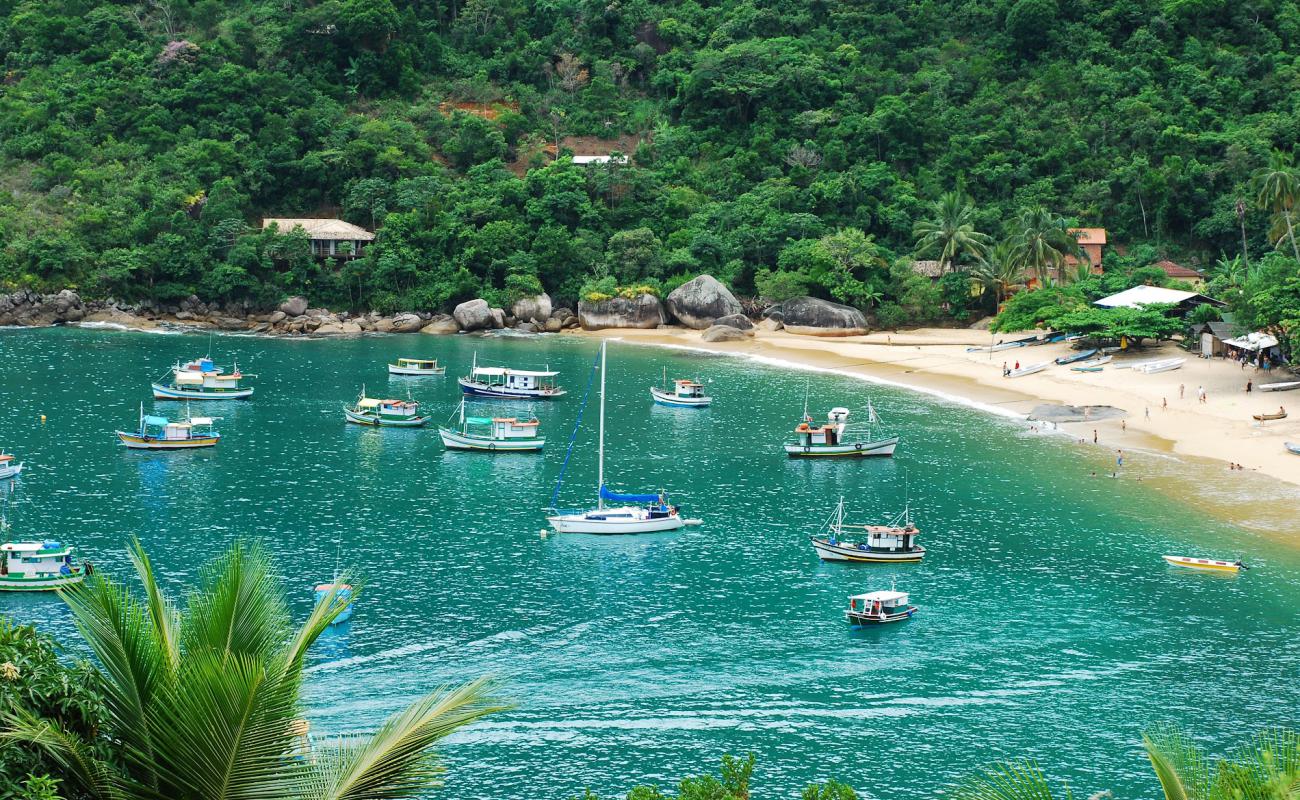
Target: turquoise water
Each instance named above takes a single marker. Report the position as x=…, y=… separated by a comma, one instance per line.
x=1049, y=626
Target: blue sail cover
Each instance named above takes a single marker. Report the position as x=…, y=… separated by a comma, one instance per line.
x=607, y=494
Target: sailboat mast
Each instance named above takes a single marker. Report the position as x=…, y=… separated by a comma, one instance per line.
x=600, y=457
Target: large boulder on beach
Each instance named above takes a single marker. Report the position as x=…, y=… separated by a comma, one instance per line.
x=737, y=321
x=473, y=315
x=725, y=333
x=699, y=302
x=810, y=316
x=642, y=311
x=441, y=324
x=294, y=306
x=498, y=318
x=527, y=309
x=407, y=323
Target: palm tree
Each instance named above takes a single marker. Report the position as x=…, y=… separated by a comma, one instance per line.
x=1043, y=240
x=951, y=233
x=204, y=703
x=1277, y=188
x=1000, y=271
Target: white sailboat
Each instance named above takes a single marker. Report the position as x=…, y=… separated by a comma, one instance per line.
x=643, y=513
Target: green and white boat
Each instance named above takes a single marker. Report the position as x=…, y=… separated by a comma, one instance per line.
x=385, y=413
x=493, y=434
x=37, y=567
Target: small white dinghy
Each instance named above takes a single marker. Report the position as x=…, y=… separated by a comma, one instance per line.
x=1161, y=365
x=1029, y=369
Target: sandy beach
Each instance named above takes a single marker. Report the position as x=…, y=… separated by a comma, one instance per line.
x=1161, y=413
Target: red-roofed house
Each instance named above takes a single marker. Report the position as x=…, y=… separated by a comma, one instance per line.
x=1091, y=240
x=1179, y=272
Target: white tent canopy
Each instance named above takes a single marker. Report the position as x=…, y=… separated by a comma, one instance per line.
x=1253, y=341
x=1140, y=296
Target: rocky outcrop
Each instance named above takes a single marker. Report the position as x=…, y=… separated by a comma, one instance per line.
x=407, y=323
x=643, y=311
x=498, y=318
x=810, y=316
x=473, y=315
x=725, y=333
x=737, y=321
x=32, y=309
x=698, y=302
x=441, y=324
x=294, y=306
x=770, y=324
x=528, y=309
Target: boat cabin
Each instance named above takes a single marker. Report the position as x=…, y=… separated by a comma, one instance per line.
x=35, y=560
x=388, y=408
x=203, y=373
x=430, y=365
x=688, y=388
x=891, y=540
x=878, y=603
x=513, y=428
x=517, y=379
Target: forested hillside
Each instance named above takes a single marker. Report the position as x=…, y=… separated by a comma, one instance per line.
x=140, y=144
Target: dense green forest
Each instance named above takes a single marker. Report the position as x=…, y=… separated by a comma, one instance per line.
x=784, y=147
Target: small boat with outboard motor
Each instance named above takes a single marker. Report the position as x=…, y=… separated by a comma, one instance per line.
x=1210, y=564
x=879, y=608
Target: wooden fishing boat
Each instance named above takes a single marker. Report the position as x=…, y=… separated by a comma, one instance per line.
x=641, y=513
x=1083, y=356
x=385, y=413
x=1293, y=447
x=1284, y=386
x=878, y=608
x=894, y=543
x=8, y=469
x=493, y=434
x=160, y=433
x=416, y=366
x=683, y=394
x=834, y=438
x=1205, y=563
x=1160, y=365
x=201, y=379
x=1029, y=369
x=503, y=383
x=1094, y=365
x=38, y=567
x=1000, y=346
x=1279, y=414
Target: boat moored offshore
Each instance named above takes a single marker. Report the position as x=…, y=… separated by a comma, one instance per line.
x=503, y=383
x=37, y=566
x=385, y=413
x=493, y=434
x=1210, y=564
x=160, y=433
x=878, y=608
x=835, y=439
x=684, y=393
x=416, y=366
x=9, y=469
x=201, y=379
x=894, y=543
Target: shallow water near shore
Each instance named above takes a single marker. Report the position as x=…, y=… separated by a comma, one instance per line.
x=1049, y=626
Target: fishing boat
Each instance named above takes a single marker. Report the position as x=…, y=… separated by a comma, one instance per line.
x=641, y=513
x=503, y=383
x=1000, y=346
x=341, y=593
x=385, y=413
x=1160, y=365
x=201, y=379
x=1205, y=563
x=1095, y=365
x=1077, y=357
x=683, y=394
x=8, y=469
x=493, y=434
x=1292, y=447
x=160, y=433
x=894, y=543
x=878, y=608
x=1279, y=414
x=1284, y=386
x=1028, y=369
x=834, y=438
x=37, y=567
x=416, y=366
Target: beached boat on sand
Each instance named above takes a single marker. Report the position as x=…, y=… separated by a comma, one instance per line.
x=160, y=433
x=894, y=543
x=1205, y=563
x=201, y=379
x=1279, y=414
x=1077, y=357
x=1160, y=365
x=1028, y=369
x=416, y=366
x=835, y=439
x=385, y=413
x=493, y=434
x=1093, y=365
x=8, y=469
x=1284, y=386
x=1292, y=447
x=878, y=608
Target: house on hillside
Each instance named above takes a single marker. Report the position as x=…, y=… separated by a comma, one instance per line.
x=1091, y=240
x=928, y=269
x=330, y=238
x=1179, y=272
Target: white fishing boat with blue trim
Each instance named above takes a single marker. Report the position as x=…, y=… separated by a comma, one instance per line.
x=640, y=513
x=835, y=439
x=202, y=379
x=493, y=434
x=684, y=393
x=8, y=469
x=503, y=383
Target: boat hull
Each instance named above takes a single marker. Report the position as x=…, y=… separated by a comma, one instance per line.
x=137, y=442
x=396, y=370
x=10, y=472
x=380, y=422
x=161, y=392
x=1292, y=447
x=612, y=522
x=884, y=447
x=1160, y=366
x=474, y=389
x=833, y=552
x=673, y=401
x=1208, y=564
x=9, y=583
x=455, y=440
x=1285, y=386
x=862, y=619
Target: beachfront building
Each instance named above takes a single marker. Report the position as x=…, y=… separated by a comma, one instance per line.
x=1139, y=296
x=330, y=238
x=1211, y=337
x=1256, y=348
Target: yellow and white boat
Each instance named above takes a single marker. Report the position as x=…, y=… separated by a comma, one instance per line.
x=1205, y=563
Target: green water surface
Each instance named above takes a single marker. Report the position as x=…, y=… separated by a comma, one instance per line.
x=1049, y=626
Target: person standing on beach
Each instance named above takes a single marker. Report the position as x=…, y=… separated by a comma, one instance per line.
x=1147, y=412
x=1094, y=435
x=1119, y=460
x=1164, y=404
x=1248, y=385
x=1180, y=391
x=1200, y=394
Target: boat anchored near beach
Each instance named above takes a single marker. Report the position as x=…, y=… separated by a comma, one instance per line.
x=202, y=379
x=503, y=383
x=38, y=567
x=160, y=433
x=642, y=513
x=1205, y=564
x=9, y=469
x=385, y=413
x=878, y=608
x=894, y=543
x=684, y=393
x=835, y=438
x=493, y=434
x=416, y=367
